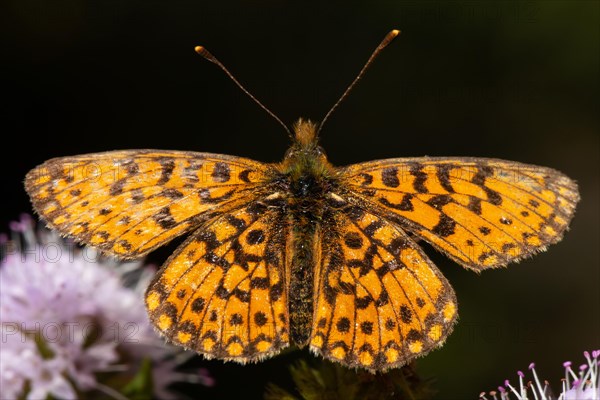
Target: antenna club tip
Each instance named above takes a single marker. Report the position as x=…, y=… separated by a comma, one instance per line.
x=395, y=32
x=199, y=49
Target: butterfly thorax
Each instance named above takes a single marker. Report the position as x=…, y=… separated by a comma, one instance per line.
x=309, y=176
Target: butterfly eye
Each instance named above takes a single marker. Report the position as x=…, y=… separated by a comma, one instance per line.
x=290, y=153
x=320, y=153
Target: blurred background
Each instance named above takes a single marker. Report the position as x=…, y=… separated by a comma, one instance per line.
x=504, y=79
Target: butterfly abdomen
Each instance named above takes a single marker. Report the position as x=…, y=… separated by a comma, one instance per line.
x=305, y=234
x=307, y=192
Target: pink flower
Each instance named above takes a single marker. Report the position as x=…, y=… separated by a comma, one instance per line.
x=584, y=385
x=67, y=315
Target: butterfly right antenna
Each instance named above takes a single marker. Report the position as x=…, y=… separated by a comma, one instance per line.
x=208, y=56
x=386, y=40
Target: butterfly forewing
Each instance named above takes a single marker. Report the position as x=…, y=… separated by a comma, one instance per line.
x=481, y=212
x=223, y=292
x=379, y=301
x=128, y=203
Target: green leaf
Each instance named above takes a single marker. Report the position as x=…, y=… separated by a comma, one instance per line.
x=141, y=385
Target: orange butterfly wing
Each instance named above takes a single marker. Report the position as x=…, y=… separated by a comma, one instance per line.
x=223, y=292
x=127, y=203
x=379, y=301
x=481, y=212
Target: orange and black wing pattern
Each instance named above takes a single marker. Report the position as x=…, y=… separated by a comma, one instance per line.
x=482, y=213
x=127, y=203
x=379, y=301
x=223, y=292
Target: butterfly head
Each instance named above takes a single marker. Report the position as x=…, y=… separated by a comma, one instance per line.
x=305, y=155
x=305, y=134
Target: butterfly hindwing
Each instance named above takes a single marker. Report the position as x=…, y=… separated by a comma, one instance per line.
x=223, y=292
x=128, y=203
x=481, y=212
x=379, y=301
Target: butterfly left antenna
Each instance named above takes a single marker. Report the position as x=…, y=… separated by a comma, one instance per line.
x=386, y=40
x=208, y=56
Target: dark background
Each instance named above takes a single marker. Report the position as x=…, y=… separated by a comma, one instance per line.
x=503, y=79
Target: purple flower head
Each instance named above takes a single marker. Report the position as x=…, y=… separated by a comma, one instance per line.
x=66, y=315
x=582, y=386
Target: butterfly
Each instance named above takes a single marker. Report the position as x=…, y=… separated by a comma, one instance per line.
x=302, y=252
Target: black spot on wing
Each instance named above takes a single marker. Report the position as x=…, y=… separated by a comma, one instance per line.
x=276, y=291
x=167, y=167
x=236, y=319
x=534, y=203
x=137, y=196
x=373, y=227
x=439, y=201
x=353, y=240
x=475, y=205
x=205, y=196
x=492, y=196
x=221, y=172
x=117, y=187
x=171, y=194
x=198, y=305
x=259, y=283
x=479, y=179
x=245, y=175
x=164, y=218
x=363, y=302
x=420, y=177
x=405, y=314
x=390, y=324
x=445, y=227
x=367, y=327
x=443, y=175
x=238, y=223
x=404, y=205
x=260, y=318
x=367, y=179
x=255, y=237
x=343, y=325
x=389, y=177
x=125, y=244
x=131, y=167
x=481, y=175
